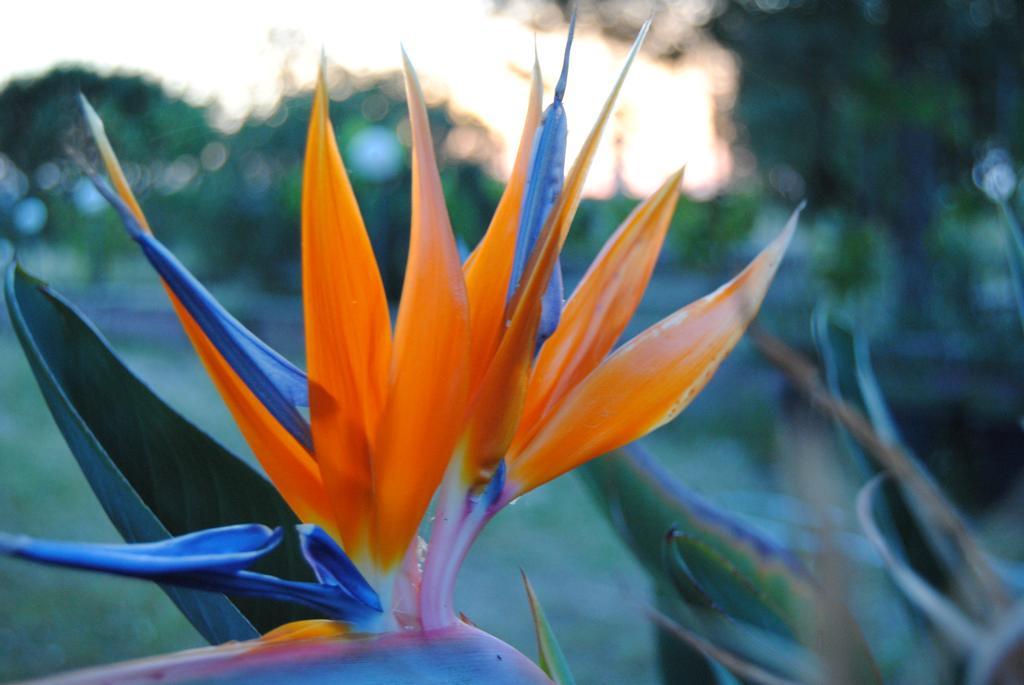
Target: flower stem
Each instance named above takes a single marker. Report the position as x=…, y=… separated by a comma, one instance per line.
x=460, y=517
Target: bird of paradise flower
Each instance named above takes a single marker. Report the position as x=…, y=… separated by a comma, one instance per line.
x=487, y=387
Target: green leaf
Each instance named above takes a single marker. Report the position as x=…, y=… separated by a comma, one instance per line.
x=1015, y=253
x=998, y=647
x=734, y=649
x=955, y=625
x=724, y=572
x=155, y=474
x=725, y=586
x=552, y=660
x=691, y=640
x=936, y=540
x=452, y=656
x=851, y=376
x=835, y=345
x=646, y=505
x=678, y=661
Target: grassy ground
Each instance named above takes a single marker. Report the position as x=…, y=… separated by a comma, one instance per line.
x=591, y=588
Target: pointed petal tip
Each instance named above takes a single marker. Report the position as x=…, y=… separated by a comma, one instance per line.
x=87, y=108
x=276, y=533
x=411, y=77
x=321, y=94
x=94, y=124
x=536, y=80
x=677, y=177
x=334, y=241
x=332, y=565
x=564, y=75
x=92, y=119
x=321, y=71
x=431, y=331
x=641, y=36
x=646, y=27
x=790, y=228
x=573, y=186
x=772, y=254
x=213, y=560
x=671, y=362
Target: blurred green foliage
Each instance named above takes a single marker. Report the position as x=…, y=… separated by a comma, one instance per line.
x=873, y=110
x=231, y=198
x=880, y=109
x=228, y=202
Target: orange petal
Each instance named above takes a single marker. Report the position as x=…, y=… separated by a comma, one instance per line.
x=498, y=402
x=430, y=367
x=310, y=629
x=572, y=190
x=289, y=466
x=490, y=266
x=649, y=380
x=291, y=469
x=497, y=405
x=348, y=331
x=114, y=171
x=602, y=305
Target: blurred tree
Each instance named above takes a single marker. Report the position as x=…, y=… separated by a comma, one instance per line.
x=873, y=109
x=39, y=116
x=881, y=107
x=229, y=201
x=157, y=134
x=263, y=177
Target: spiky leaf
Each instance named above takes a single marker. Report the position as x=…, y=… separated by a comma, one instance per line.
x=552, y=660
x=721, y=568
x=155, y=474
x=645, y=505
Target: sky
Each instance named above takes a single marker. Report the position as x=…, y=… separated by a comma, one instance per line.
x=232, y=53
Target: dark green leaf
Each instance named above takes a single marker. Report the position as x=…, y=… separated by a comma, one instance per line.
x=944, y=613
x=734, y=650
x=850, y=375
x=1015, y=253
x=645, y=505
x=723, y=584
x=155, y=474
x=725, y=573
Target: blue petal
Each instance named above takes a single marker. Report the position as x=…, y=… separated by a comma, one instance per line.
x=212, y=560
x=495, y=487
x=543, y=184
x=330, y=600
x=227, y=549
x=333, y=567
x=275, y=381
x=551, y=306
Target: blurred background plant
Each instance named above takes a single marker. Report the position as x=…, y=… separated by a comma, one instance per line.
x=875, y=111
